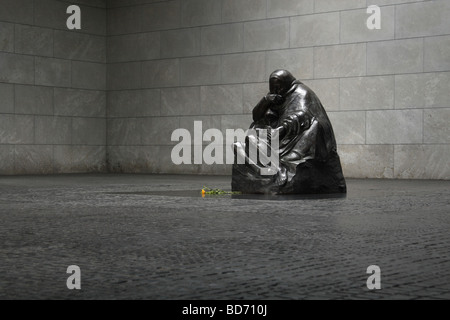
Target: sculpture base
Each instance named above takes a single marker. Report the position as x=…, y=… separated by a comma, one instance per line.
x=311, y=177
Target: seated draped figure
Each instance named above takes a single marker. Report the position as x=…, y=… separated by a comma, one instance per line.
x=290, y=147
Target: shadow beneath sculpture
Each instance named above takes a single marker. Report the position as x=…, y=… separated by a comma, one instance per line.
x=298, y=155
x=288, y=197
x=229, y=195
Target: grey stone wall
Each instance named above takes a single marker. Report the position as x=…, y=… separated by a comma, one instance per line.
x=52, y=88
x=109, y=96
x=386, y=91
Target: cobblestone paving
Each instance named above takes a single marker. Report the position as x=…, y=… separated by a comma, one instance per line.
x=134, y=243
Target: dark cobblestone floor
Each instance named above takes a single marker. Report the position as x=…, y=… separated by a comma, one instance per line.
x=134, y=243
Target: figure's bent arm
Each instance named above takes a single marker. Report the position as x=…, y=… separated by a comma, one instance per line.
x=295, y=124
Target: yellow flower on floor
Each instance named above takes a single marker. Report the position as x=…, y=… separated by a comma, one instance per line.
x=210, y=191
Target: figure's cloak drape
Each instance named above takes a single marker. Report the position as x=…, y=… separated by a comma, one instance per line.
x=308, y=158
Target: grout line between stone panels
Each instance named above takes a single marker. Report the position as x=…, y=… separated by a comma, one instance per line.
x=367, y=53
x=290, y=32
x=395, y=21
x=56, y=116
x=242, y=114
x=131, y=5
x=423, y=55
x=365, y=125
x=243, y=37
x=207, y=55
x=53, y=43
x=242, y=98
x=267, y=9
x=204, y=143
x=226, y=23
x=261, y=82
x=82, y=4
x=14, y=39
x=221, y=12
x=53, y=159
x=34, y=71
x=58, y=58
x=55, y=29
x=266, y=66
x=256, y=51
x=219, y=84
x=423, y=126
x=57, y=144
x=207, y=142
x=34, y=130
x=64, y=88
x=14, y=98
x=393, y=160
x=71, y=74
x=34, y=12
x=14, y=159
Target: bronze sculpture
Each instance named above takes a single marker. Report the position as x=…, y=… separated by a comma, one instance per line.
x=308, y=162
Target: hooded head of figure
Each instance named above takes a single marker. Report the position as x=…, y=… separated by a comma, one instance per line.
x=280, y=82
